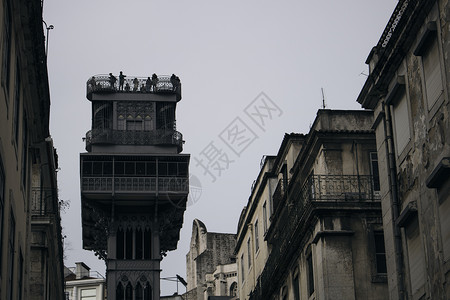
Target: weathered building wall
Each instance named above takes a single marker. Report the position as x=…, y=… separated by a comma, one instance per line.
x=408, y=88
x=25, y=150
x=207, y=251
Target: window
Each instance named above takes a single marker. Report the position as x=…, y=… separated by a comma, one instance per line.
x=2, y=207
x=256, y=237
x=380, y=252
x=233, y=289
x=88, y=294
x=138, y=292
x=21, y=270
x=249, y=252
x=432, y=73
x=102, y=115
x=265, y=217
x=374, y=171
x=444, y=212
x=133, y=243
x=129, y=292
x=147, y=291
x=242, y=268
x=24, y=152
x=284, y=293
x=16, y=121
x=310, y=270
x=11, y=240
x=135, y=115
x=6, y=53
x=416, y=259
x=135, y=125
x=296, y=284
x=401, y=122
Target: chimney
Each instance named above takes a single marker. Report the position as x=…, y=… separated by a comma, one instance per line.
x=81, y=270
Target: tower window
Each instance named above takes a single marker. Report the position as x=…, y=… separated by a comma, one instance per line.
x=134, y=125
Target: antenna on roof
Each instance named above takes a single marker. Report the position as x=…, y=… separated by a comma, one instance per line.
x=323, y=99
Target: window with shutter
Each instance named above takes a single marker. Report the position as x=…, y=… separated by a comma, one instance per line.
x=401, y=122
x=416, y=259
x=432, y=73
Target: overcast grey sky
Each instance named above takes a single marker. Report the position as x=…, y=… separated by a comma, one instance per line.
x=226, y=53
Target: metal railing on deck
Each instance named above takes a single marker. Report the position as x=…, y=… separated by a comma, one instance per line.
x=136, y=137
x=43, y=202
x=160, y=84
x=134, y=184
x=339, y=187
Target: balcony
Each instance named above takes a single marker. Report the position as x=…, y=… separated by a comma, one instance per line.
x=278, y=194
x=318, y=192
x=127, y=137
x=155, y=85
x=43, y=202
x=134, y=184
x=339, y=188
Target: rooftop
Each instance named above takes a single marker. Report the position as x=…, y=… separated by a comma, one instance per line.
x=154, y=84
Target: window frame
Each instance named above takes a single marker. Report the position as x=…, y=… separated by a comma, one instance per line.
x=2, y=208
x=265, y=225
x=6, y=51
x=249, y=252
x=397, y=93
x=310, y=273
x=429, y=38
x=256, y=233
x=372, y=172
x=378, y=252
x=242, y=268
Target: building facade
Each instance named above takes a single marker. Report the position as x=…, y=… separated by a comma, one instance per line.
x=252, y=248
x=31, y=258
x=325, y=237
x=210, y=264
x=408, y=89
x=134, y=180
x=83, y=284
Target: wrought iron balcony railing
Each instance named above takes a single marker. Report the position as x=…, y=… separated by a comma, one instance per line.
x=134, y=184
x=317, y=189
x=137, y=137
x=339, y=188
x=107, y=84
x=43, y=202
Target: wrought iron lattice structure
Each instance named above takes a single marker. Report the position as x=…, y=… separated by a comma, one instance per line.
x=133, y=170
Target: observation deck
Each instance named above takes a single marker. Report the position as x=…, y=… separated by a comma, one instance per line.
x=124, y=137
x=156, y=84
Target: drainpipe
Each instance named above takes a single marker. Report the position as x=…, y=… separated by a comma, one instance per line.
x=392, y=177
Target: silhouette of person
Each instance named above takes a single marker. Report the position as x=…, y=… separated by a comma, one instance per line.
x=148, y=84
x=121, y=80
x=154, y=81
x=177, y=82
x=112, y=80
x=91, y=82
x=135, y=84
x=173, y=82
x=127, y=87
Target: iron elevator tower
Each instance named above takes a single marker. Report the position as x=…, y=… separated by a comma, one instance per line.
x=134, y=180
